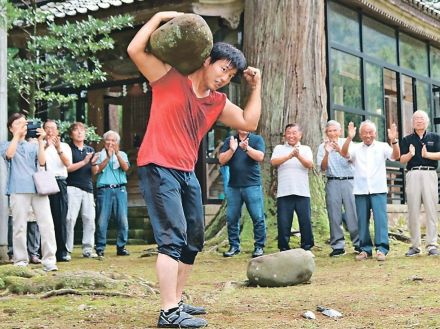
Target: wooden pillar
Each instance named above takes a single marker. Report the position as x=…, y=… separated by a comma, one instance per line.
x=3, y=137
x=96, y=110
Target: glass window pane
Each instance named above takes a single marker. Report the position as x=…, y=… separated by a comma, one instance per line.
x=344, y=118
x=380, y=127
x=435, y=63
x=379, y=40
x=391, y=97
x=345, y=72
x=343, y=26
x=413, y=54
x=436, y=95
x=423, y=101
x=408, y=105
x=374, y=88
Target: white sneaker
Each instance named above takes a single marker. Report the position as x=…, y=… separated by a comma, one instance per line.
x=50, y=267
x=89, y=254
x=21, y=263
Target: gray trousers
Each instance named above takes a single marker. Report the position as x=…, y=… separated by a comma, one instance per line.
x=341, y=207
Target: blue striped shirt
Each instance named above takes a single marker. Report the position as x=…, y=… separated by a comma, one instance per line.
x=338, y=166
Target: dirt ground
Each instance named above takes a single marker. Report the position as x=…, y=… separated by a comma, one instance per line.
x=398, y=293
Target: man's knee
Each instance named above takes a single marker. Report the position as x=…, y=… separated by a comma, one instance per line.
x=188, y=256
x=183, y=255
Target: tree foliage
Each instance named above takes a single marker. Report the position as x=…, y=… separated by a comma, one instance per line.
x=58, y=55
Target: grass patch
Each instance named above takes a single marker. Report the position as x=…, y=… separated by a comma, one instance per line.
x=399, y=293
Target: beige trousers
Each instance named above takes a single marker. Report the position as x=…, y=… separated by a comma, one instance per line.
x=80, y=201
x=20, y=205
x=422, y=187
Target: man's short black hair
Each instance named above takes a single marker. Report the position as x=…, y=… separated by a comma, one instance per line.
x=222, y=50
x=291, y=125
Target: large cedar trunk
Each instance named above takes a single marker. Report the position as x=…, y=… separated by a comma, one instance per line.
x=286, y=40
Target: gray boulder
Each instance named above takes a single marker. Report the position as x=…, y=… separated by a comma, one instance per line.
x=183, y=42
x=281, y=269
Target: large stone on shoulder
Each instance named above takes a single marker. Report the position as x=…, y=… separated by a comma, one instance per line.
x=183, y=42
x=285, y=268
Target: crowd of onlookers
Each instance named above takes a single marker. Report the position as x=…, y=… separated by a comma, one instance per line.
x=356, y=186
x=53, y=217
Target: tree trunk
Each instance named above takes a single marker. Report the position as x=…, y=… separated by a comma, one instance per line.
x=286, y=40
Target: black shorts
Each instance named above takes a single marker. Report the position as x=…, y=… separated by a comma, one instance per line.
x=174, y=204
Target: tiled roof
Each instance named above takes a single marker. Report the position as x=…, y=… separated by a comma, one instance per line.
x=60, y=9
x=430, y=7
x=68, y=8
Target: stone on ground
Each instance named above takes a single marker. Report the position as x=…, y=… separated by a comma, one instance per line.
x=281, y=269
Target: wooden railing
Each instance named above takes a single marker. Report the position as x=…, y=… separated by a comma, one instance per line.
x=396, y=181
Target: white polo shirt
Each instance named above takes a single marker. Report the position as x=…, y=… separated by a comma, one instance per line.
x=293, y=177
x=369, y=165
x=53, y=160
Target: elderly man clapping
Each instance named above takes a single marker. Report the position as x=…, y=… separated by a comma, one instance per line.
x=112, y=193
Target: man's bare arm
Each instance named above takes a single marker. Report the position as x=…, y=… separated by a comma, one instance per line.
x=149, y=65
x=247, y=119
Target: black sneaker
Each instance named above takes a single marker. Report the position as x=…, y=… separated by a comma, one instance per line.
x=231, y=252
x=191, y=309
x=122, y=252
x=100, y=253
x=64, y=258
x=179, y=319
x=337, y=252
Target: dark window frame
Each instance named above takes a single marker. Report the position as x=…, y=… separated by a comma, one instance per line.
x=400, y=71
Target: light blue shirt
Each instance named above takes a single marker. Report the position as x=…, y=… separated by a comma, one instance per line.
x=112, y=173
x=21, y=167
x=337, y=165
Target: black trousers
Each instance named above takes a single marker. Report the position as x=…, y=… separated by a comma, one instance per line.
x=286, y=206
x=58, y=207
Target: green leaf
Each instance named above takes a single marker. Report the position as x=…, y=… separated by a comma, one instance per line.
x=58, y=57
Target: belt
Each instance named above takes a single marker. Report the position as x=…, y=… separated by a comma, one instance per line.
x=60, y=178
x=423, y=168
x=111, y=186
x=339, y=178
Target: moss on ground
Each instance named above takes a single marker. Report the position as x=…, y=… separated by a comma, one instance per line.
x=401, y=292
x=24, y=280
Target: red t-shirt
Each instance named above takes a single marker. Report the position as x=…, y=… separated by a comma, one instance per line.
x=178, y=121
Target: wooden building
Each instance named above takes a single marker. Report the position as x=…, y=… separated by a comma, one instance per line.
x=384, y=64
x=382, y=59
